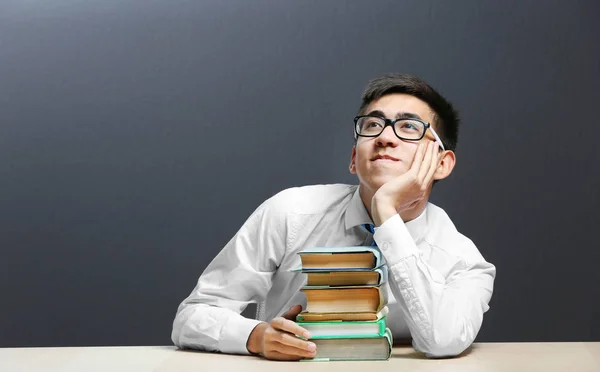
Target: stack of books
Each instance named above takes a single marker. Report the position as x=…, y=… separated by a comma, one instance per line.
x=346, y=308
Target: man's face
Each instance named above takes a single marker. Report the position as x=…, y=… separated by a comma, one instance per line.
x=372, y=172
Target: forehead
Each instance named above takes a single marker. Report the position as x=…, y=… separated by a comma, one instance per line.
x=393, y=104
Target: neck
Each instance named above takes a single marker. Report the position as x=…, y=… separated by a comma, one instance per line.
x=406, y=215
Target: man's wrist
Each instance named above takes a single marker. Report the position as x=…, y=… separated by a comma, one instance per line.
x=254, y=343
x=382, y=210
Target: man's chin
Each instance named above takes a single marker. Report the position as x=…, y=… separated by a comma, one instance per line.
x=384, y=178
x=376, y=182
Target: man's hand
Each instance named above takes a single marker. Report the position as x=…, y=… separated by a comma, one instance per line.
x=407, y=190
x=278, y=339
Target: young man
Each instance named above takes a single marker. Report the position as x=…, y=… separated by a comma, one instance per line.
x=440, y=284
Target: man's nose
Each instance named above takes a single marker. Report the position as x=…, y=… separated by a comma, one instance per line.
x=387, y=137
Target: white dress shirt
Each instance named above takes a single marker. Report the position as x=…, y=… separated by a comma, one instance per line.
x=439, y=282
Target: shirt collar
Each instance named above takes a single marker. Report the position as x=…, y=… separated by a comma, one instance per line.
x=356, y=215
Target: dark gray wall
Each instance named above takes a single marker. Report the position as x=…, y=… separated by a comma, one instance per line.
x=137, y=136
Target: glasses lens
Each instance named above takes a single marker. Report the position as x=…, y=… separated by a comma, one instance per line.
x=369, y=126
x=410, y=129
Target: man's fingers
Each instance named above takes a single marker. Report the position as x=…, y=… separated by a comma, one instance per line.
x=290, y=350
x=287, y=325
x=276, y=355
x=285, y=346
x=293, y=341
x=418, y=159
x=426, y=164
x=305, y=351
x=435, y=157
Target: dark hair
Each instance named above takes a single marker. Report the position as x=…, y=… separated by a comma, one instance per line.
x=445, y=116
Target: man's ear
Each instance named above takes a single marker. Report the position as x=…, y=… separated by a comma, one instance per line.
x=352, y=166
x=447, y=163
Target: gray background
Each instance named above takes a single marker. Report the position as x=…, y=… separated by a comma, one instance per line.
x=137, y=136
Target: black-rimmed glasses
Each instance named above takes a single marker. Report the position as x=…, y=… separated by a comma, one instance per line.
x=409, y=129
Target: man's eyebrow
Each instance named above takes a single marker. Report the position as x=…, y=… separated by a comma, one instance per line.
x=400, y=115
x=376, y=113
x=407, y=115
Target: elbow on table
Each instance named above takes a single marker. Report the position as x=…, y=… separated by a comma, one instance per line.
x=183, y=343
x=445, y=348
x=179, y=331
x=176, y=335
x=449, y=342
x=449, y=351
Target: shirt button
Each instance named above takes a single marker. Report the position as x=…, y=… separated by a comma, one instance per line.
x=386, y=245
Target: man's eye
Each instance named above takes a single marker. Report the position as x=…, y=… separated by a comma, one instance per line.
x=373, y=124
x=409, y=125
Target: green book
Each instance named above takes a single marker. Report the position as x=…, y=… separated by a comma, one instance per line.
x=345, y=349
x=345, y=329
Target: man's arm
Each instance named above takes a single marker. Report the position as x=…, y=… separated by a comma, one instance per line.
x=444, y=314
x=209, y=319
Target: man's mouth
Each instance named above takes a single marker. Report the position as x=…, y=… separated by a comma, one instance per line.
x=384, y=158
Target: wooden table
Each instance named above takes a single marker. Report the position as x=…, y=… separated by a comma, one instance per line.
x=483, y=357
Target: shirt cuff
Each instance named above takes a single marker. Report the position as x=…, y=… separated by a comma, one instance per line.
x=235, y=335
x=394, y=241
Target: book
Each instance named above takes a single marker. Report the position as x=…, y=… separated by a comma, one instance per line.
x=342, y=349
x=328, y=317
x=354, y=299
x=340, y=258
x=345, y=329
x=346, y=310
x=318, y=279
